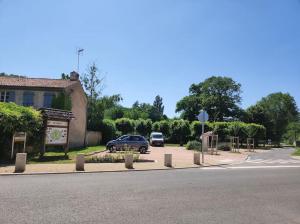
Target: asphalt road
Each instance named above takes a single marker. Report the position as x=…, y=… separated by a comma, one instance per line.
x=279, y=156
x=227, y=196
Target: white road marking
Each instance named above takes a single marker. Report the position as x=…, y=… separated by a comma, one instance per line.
x=271, y=161
x=262, y=167
x=250, y=167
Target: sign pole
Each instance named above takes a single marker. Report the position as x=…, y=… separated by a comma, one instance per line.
x=203, y=117
x=202, y=150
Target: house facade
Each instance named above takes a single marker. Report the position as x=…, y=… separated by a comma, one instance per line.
x=39, y=93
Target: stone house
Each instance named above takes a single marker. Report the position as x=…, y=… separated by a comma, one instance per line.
x=39, y=92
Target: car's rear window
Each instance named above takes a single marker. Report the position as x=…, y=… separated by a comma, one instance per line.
x=157, y=136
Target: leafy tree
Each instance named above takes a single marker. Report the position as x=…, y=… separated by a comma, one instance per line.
x=110, y=101
x=114, y=113
x=125, y=125
x=62, y=101
x=15, y=118
x=12, y=75
x=138, y=111
x=250, y=130
x=93, y=85
x=157, y=111
x=144, y=127
x=108, y=130
x=292, y=132
x=234, y=128
x=275, y=112
x=65, y=76
x=92, y=82
x=219, y=96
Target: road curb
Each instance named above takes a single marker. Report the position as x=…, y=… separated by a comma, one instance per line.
x=112, y=171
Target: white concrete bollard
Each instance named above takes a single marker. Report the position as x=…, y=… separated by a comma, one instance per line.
x=129, y=161
x=80, y=162
x=168, y=160
x=20, y=164
x=197, y=158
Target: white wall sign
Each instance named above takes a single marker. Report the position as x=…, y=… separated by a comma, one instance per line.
x=56, y=136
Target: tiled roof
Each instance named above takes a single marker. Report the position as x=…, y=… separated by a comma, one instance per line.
x=35, y=82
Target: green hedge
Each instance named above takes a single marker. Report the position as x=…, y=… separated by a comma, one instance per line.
x=226, y=129
x=108, y=130
x=14, y=118
x=125, y=125
x=143, y=127
x=181, y=131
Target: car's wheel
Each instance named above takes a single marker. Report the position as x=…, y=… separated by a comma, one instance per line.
x=143, y=150
x=112, y=149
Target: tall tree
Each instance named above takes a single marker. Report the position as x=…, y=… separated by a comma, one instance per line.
x=292, y=133
x=92, y=82
x=158, y=105
x=65, y=76
x=93, y=85
x=275, y=112
x=219, y=96
x=157, y=111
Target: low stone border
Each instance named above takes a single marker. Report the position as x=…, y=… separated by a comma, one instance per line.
x=114, y=171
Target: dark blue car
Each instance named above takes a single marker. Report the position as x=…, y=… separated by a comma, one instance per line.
x=132, y=142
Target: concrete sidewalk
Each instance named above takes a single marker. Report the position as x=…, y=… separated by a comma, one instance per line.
x=182, y=158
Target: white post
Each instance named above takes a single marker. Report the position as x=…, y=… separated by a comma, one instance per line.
x=168, y=160
x=12, y=147
x=80, y=162
x=129, y=161
x=20, y=164
x=197, y=158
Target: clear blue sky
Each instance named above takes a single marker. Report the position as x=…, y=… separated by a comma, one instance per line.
x=150, y=47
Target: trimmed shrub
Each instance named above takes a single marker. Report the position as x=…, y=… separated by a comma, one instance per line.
x=156, y=126
x=14, y=118
x=125, y=125
x=226, y=129
x=220, y=129
x=108, y=129
x=180, y=131
x=193, y=145
x=164, y=127
x=143, y=127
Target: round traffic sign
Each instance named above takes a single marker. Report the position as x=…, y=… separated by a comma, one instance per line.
x=203, y=116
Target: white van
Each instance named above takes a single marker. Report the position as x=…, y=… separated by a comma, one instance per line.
x=157, y=139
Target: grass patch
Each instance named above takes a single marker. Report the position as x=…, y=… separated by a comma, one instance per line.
x=58, y=156
x=297, y=152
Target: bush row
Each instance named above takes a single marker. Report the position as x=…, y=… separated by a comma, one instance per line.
x=14, y=118
x=180, y=131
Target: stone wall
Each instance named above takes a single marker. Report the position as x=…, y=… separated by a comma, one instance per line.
x=79, y=107
x=93, y=138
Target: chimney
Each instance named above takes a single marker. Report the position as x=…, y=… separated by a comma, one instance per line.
x=74, y=76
